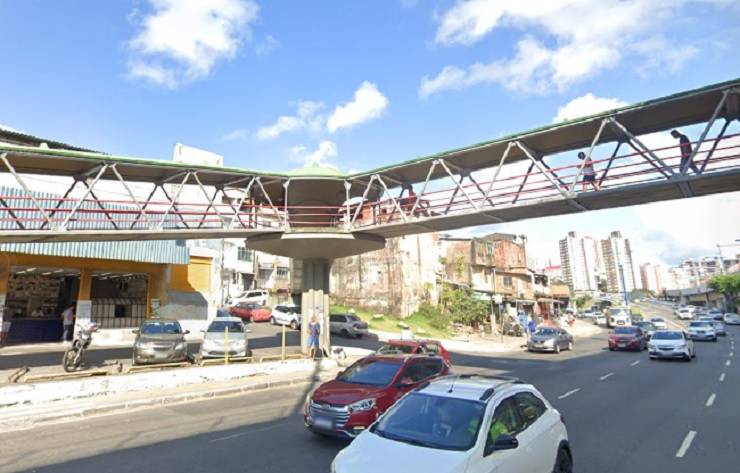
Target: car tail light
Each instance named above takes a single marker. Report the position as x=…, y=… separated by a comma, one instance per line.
x=562, y=419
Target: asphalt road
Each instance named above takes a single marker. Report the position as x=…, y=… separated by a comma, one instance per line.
x=624, y=413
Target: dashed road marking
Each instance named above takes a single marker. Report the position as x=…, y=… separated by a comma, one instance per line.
x=685, y=444
x=728, y=362
x=732, y=353
x=634, y=363
x=569, y=393
x=721, y=377
x=711, y=399
x=606, y=376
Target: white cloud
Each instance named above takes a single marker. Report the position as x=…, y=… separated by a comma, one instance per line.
x=306, y=118
x=586, y=38
x=318, y=157
x=267, y=46
x=586, y=105
x=368, y=104
x=235, y=135
x=181, y=40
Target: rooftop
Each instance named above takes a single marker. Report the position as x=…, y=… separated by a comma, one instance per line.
x=471, y=387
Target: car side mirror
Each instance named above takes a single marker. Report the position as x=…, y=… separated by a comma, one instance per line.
x=186, y=332
x=503, y=442
x=136, y=331
x=405, y=382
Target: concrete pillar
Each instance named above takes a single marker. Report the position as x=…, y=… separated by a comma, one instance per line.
x=315, y=301
x=4, y=324
x=83, y=312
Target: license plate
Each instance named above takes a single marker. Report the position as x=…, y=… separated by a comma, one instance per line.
x=621, y=345
x=323, y=423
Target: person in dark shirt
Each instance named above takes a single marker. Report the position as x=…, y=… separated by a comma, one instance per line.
x=685, y=147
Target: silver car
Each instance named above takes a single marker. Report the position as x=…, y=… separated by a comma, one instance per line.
x=159, y=341
x=732, y=319
x=551, y=339
x=347, y=325
x=217, y=342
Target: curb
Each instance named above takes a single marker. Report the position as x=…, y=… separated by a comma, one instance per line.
x=30, y=421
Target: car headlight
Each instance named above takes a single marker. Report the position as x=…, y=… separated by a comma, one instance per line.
x=364, y=405
x=144, y=345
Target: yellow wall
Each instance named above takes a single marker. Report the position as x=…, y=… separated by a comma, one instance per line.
x=193, y=277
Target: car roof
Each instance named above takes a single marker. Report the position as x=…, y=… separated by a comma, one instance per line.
x=226, y=319
x=473, y=387
x=157, y=319
x=399, y=357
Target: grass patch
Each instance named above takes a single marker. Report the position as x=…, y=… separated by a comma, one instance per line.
x=418, y=324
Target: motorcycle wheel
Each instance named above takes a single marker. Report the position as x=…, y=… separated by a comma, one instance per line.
x=70, y=360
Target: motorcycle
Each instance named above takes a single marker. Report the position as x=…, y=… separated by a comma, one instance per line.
x=72, y=359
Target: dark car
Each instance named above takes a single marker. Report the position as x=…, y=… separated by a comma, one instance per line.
x=646, y=327
x=347, y=405
x=160, y=341
x=415, y=347
x=627, y=338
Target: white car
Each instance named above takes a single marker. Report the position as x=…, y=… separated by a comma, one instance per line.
x=463, y=424
x=600, y=319
x=660, y=323
x=286, y=315
x=702, y=330
x=732, y=319
x=671, y=344
x=258, y=296
x=684, y=313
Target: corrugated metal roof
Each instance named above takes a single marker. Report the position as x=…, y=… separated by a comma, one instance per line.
x=151, y=251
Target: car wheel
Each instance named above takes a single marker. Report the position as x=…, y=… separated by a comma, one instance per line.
x=570, y=346
x=687, y=358
x=133, y=360
x=611, y=348
x=272, y=321
x=563, y=462
x=714, y=339
x=345, y=333
x=557, y=348
x=294, y=325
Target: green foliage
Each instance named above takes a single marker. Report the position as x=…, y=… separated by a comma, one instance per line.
x=459, y=265
x=434, y=315
x=640, y=294
x=727, y=284
x=583, y=301
x=461, y=306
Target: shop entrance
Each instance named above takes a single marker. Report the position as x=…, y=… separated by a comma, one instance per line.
x=119, y=300
x=35, y=300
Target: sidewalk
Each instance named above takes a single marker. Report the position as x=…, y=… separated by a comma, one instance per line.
x=27, y=416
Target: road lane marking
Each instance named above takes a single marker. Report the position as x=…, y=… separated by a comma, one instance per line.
x=606, y=376
x=721, y=377
x=728, y=362
x=732, y=353
x=569, y=393
x=686, y=444
x=711, y=399
x=634, y=363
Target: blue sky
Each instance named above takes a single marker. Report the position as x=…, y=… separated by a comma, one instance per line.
x=375, y=81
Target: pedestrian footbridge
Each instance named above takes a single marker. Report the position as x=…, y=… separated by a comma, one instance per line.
x=321, y=213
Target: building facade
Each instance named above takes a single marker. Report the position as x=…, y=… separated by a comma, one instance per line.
x=580, y=261
x=651, y=277
x=618, y=264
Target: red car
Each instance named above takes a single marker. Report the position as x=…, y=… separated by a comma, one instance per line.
x=415, y=347
x=347, y=405
x=250, y=312
x=627, y=338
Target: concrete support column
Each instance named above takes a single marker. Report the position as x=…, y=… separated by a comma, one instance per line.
x=4, y=324
x=315, y=301
x=83, y=312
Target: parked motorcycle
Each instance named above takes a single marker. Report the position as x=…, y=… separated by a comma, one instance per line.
x=72, y=359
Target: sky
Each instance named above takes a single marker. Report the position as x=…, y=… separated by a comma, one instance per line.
x=356, y=85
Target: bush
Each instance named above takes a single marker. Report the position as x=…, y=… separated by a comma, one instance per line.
x=434, y=315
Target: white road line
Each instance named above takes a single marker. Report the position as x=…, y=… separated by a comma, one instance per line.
x=569, y=393
x=711, y=399
x=685, y=444
x=606, y=376
x=732, y=353
x=634, y=363
x=728, y=362
x=721, y=377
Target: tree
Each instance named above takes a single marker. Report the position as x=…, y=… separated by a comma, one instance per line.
x=461, y=306
x=729, y=286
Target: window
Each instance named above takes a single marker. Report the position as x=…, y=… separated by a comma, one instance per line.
x=372, y=372
x=337, y=318
x=505, y=420
x=422, y=370
x=508, y=282
x=265, y=273
x=282, y=273
x=244, y=254
x=530, y=407
x=489, y=247
x=432, y=348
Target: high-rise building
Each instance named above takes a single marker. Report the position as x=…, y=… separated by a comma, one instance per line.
x=651, y=276
x=618, y=265
x=579, y=262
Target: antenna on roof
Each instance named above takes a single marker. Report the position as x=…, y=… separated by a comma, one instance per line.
x=452, y=386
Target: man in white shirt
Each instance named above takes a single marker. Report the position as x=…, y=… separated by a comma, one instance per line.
x=68, y=320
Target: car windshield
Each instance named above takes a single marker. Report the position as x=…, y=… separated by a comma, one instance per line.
x=657, y=319
x=292, y=310
x=625, y=330
x=352, y=318
x=371, y=372
x=152, y=328
x=220, y=326
x=433, y=422
x=667, y=336
x=390, y=348
x=700, y=324
x=546, y=331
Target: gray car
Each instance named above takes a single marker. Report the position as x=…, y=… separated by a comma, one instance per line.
x=160, y=341
x=551, y=339
x=217, y=342
x=347, y=325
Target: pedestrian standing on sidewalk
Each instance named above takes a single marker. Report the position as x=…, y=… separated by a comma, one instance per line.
x=589, y=173
x=314, y=330
x=684, y=143
x=68, y=321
